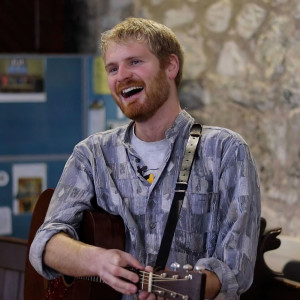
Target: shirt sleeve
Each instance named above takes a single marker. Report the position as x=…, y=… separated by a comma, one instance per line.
x=238, y=220
x=71, y=197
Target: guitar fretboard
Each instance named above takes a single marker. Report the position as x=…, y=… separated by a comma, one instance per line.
x=91, y=278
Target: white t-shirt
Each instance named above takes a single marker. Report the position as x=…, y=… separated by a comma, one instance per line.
x=152, y=154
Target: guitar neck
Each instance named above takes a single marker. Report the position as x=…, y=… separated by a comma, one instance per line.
x=186, y=285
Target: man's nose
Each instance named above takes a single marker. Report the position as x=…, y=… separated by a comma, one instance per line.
x=124, y=73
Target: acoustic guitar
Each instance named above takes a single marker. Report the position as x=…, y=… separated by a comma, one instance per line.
x=105, y=230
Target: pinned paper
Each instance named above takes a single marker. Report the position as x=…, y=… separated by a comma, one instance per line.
x=100, y=84
x=5, y=221
x=97, y=117
x=4, y=178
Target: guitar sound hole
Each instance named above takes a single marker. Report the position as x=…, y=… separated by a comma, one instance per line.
x=68, y=279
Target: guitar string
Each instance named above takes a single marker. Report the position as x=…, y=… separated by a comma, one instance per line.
x=145, y=279
x=160, y=278
x=155, y=278
x=163, y=279
x=99, y=280
x=166, y=290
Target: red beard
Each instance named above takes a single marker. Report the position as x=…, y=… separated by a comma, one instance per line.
x=156, y=95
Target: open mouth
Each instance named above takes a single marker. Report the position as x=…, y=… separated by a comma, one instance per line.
x=128, y=92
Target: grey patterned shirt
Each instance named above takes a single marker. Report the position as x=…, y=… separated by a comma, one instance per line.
x=219, y=222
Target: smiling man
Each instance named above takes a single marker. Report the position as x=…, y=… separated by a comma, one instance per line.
x=132, y=171
x=142, y=84
x=137, y=82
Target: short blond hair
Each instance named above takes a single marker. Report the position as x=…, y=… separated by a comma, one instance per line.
x=161, y=40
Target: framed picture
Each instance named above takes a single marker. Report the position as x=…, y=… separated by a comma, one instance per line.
x=29, y=180
x=22, y=79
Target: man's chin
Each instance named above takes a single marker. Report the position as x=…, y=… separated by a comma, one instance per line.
x=138, y=115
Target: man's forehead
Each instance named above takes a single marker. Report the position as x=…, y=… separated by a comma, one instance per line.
x=126, y=42
x=133, y=45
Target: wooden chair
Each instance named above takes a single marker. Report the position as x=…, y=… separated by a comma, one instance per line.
x=267, y=284
x=12, y=267
x=35, y=284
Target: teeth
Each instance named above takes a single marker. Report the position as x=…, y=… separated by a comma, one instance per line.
x=131, y=89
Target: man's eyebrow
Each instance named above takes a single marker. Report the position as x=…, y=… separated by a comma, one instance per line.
x=127, y=59
x=134, y=57
x=109, y=65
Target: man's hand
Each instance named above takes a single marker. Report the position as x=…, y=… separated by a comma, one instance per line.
x=213, y=285
x=74, y=258
x=111, y=269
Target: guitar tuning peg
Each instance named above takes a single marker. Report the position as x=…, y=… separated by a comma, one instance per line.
x=199, y=268
x=160, y=293
x=175, y=266
x=187, y=267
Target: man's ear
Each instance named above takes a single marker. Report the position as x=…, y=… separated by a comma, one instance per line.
x=172, y=67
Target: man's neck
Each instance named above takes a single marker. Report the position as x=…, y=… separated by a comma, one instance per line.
x=154, y=128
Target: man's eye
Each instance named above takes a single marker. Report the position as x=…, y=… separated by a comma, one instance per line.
x=112, y=70
x=135, y=62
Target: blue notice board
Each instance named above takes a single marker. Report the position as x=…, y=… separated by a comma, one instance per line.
x=41, y=132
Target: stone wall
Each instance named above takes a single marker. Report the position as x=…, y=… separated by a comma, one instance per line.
x=242, y=71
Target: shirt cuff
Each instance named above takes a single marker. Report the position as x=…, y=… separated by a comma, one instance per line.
x=229, y=285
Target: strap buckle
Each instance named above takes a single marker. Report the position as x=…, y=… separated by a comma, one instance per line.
x=196, y=130
x=181, y=186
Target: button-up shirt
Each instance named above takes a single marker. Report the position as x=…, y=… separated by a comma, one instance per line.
x=218, y=225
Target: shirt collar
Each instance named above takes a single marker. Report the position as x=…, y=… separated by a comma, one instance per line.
x=183, y=122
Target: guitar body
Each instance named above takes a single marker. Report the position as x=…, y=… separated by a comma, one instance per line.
x=100, y=229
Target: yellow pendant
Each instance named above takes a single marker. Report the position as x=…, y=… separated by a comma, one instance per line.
x=151, y=178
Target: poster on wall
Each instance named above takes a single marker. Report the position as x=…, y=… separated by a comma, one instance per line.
x=29, y=180
x=97, y=117
x=22, y=79
x=6, y=220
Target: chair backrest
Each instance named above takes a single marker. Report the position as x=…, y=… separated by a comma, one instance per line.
x=12, y=266
x=268, y=284
x=35, y=285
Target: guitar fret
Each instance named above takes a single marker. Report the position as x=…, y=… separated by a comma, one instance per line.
x=143, y=279
x=91, y=278
x=150, y=282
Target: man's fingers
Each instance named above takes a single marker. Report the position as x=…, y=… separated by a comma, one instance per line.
x=131, y=261
x=149, y=269
x=113, y=272
x=146, y=296
x=120, y=285
x=126, y=274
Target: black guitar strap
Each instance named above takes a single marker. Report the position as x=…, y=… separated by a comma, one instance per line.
x=180, y=189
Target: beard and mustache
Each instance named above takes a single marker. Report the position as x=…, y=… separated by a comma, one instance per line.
x=157, y=93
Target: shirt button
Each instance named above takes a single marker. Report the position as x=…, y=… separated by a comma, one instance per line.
x=152, y=225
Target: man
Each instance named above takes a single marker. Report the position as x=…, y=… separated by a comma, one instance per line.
x=132, y=170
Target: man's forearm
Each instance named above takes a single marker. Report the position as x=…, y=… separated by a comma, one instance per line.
x=74, y=258
x=69, y=257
